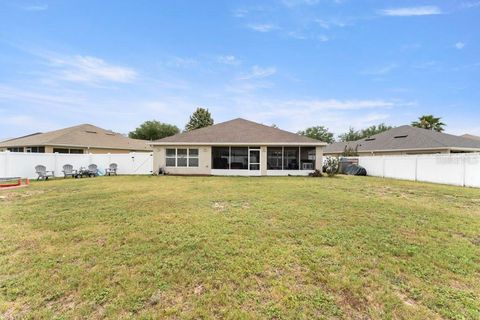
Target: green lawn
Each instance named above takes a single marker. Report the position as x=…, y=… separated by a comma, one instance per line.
x=239, y=248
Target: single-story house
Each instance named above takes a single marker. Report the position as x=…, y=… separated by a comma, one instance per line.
x=405, y=140
x=84, y=138
x=238, y=147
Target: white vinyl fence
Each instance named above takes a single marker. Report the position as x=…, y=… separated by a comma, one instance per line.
x=20, y=164
x=462, y=169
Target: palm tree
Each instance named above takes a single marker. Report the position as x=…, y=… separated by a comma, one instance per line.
x=429, y=122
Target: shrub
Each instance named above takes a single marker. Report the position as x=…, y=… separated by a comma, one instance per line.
x=316, y=173
x=331, y=166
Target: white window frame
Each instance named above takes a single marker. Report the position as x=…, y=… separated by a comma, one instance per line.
x=259, y=158
x=188, y=157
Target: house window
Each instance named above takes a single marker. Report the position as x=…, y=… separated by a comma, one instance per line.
x=15, y=149
x=239, y=158
x=290, y=158
x=307, y=158
x=60, y=150
x=35, y=149
x=274, y=158
x=171, y=158
x=66, y=150
x=181, y=157
x=220, y=157
x=193, y=157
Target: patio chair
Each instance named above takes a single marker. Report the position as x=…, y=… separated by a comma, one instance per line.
x=68, y=171
x=43, y=173
x=92, y=170
x=112, y=169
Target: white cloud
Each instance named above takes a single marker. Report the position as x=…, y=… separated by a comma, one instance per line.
x=292, y=3
x=470, y=4
x=306, y=36
x=36, y=7
x=179, y=62
x=411, y=11
x=334, y=104
x=299, y=114
x=229, y=59
x=240, y=13
x=32, y=97
x=259, y=72
x=327, y=24
x=428, y=65
x=459, y=45
x=322, y=38
x=247, y=87
x=262, y=27
x=92, y=70
x=381, y=71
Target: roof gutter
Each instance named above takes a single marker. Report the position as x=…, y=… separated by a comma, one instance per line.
x=320, y=144
x=411, y=149
x=72, y=146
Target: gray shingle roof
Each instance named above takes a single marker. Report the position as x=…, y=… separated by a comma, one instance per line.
x=470, y=136
x=238, y=131
x=84, y=135
x=406, y=138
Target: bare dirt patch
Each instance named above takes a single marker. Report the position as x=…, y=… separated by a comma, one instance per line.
x=7, y=196
x=225, y=205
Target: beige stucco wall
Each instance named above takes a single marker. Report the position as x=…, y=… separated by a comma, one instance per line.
x=204, y=161
x=319, y=158
x=263, y=160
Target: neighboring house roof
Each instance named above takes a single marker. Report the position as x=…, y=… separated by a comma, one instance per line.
x=470, y=136
x=406, y=138
x=81, y=136
x=236, y=132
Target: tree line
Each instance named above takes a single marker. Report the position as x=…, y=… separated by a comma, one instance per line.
x=153, y=129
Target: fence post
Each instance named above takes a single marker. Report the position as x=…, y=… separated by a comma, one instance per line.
x=55, y=160
x=7, y=174
x=133, y=162
x=383, y=166
x=416, y=168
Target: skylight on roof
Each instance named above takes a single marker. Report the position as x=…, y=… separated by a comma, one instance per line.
x=88, y=131
x=400, y=137
x=369, y=139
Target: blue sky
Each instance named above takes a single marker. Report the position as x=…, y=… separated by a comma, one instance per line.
x=295, y=63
